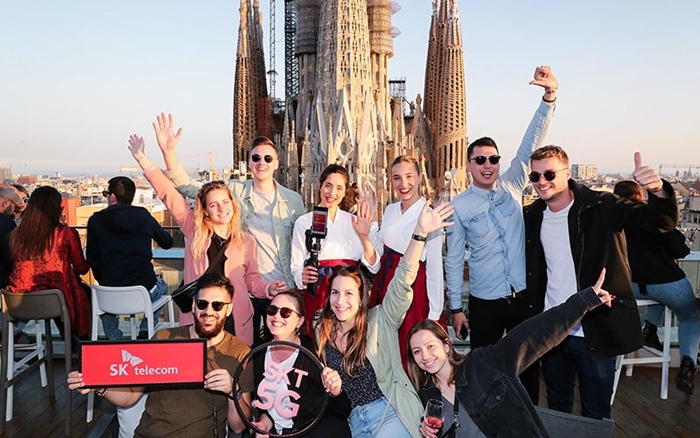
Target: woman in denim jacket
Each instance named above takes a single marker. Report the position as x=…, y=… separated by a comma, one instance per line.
x=491, y=399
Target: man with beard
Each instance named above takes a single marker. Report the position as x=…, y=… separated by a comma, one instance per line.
x=10, y=199
x=174, y=412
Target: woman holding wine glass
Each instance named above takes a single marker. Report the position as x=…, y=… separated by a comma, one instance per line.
x=481, y=392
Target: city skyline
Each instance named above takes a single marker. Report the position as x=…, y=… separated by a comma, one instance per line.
x=80, y=77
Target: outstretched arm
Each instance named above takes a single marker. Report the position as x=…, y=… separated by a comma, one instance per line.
x=164, y=128
x=399, y=293
x=536, y=132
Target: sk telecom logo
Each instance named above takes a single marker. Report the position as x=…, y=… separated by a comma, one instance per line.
x=153, y=362
x=122, y=369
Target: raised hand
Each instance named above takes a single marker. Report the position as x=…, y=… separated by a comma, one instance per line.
x=545, y=78
x=605, y=296
x=164, y=128
x=137, y=146
x=433, y=219
x=646, y=176
x=362, y=221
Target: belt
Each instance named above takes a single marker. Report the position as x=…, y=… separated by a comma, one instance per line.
x=516, y=295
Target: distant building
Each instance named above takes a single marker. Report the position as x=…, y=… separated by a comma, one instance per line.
x=26, y=180
x=5, y=175
x=584, y=172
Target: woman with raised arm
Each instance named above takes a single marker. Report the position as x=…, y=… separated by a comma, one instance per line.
x=47, y=254
x=397, y=224
x=481, y=392
x=214, y=240
x=350, y=239
x=285, y=321
x=361, y=344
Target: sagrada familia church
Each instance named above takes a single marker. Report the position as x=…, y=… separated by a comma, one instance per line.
x=339, y=106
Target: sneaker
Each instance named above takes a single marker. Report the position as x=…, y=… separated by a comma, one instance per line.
x=686, y=374
x=651, y=339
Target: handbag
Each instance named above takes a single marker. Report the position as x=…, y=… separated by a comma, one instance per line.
x=184, y=295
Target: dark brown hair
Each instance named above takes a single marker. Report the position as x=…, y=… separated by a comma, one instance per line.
x=34, y=235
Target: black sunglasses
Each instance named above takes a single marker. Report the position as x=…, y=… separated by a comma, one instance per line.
x=481, y=160
x=285, y=312
x=549, y=175
x=105, y=193
x=256, y=158
x=216, y=305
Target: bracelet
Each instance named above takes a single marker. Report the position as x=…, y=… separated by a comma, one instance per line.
x=141, y=158
x=419, y=238
x=102, y=392
x=550, y=91
x=549, y=101
x=456, y=311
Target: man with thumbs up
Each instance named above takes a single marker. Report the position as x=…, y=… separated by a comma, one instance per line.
x=591, y=223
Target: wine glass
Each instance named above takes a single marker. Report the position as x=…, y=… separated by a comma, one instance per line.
x=433, y=413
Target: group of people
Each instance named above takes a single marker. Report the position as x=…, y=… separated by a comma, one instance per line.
x=386, y=351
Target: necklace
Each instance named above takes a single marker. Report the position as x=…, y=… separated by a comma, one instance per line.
x=220, y=241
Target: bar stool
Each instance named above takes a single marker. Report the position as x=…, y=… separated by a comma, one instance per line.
x=44, y=306
x=662, y=357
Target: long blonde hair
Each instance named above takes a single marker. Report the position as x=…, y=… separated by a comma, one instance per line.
x=203, y=227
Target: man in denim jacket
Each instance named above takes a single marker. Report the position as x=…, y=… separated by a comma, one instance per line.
x=488, y=217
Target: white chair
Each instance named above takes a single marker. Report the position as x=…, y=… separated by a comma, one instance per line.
x=662, y=357
x=125, y=300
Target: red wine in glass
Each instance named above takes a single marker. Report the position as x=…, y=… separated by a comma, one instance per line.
x=433, y=413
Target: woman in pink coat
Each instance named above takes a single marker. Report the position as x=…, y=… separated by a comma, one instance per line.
x=213, y=227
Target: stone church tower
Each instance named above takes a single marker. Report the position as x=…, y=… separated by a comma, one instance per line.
x=250, y=88
x=445, y=102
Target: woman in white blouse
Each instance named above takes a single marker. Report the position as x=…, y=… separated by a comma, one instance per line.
x=397, y=226
x=351, y=239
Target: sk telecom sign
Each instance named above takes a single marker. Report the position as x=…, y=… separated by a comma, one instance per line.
x=132, y=363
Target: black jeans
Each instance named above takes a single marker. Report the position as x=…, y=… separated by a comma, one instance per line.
x=489, y=319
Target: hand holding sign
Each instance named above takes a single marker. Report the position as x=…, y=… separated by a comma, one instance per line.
x=646, y=176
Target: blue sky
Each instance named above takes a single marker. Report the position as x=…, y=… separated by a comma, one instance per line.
x=79, y=76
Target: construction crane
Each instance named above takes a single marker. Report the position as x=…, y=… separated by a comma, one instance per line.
x=678, y=166
x=273, y=36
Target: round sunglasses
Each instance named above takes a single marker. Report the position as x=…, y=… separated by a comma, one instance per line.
x=549, y=175
x=285, y=312
x=267, y=158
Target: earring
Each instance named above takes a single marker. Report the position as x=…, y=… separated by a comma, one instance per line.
x=297, y=331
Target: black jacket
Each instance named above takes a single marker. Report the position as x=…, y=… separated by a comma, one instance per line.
x=7, y=225
x=596, y=222
x=119, y=245
x=653, y=257
x=487, y=384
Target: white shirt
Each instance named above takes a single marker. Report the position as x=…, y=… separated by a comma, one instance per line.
x=561, y=274
x=397, y=229
x=341, y=242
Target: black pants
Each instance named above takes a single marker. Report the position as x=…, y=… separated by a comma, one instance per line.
x=489, y=319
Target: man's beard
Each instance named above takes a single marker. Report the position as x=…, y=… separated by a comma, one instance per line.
x=209, y=332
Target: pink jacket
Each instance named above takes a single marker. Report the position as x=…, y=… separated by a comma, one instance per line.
x=241, y=265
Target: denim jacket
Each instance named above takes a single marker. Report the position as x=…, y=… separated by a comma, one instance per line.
x=288, y=208
x=487, y=383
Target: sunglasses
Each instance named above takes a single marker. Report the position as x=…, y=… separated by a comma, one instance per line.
x=105, y=193
x=549, y=175
x=481, y=160
x=285, y=312
x=267, y=158
x=216, y=305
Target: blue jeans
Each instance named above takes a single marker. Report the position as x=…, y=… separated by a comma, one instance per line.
x=110, y=323
x=366, y=421
x=596, y=377
x=679, y=297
